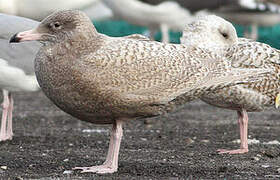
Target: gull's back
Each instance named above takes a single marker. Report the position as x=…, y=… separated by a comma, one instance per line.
x=128, y=77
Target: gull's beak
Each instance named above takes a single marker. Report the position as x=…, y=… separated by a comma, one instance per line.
x=30, y=35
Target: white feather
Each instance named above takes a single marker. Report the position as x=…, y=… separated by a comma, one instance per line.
x=14, y=79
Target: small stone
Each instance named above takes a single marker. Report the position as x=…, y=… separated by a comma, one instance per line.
x=278, y=170
x=143, y=139
x=250, y=141
x=274, y=142
x=66, y=160
x=94, y=131
x=4, y=167
x=265, y=166
x=205, y=141
x=256, y=158
x=191, y=154
x=236, y=141
x=259, y=155
x=71, y=144
x=189, y=140
x=67, y=172
x=253, y=141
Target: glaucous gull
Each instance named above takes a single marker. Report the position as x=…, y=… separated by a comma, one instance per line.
x=218, y=35
x=109, y=80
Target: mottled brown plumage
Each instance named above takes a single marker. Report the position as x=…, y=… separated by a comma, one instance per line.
x=104, y=80
x=252, y=96
x=243, y=53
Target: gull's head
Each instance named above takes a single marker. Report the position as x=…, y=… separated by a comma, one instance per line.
x=209, y=31
x=57, y=27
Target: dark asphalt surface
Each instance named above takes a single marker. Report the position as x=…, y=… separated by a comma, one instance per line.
x=47, y=143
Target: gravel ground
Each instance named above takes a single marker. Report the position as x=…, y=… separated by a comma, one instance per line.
x=48, y=143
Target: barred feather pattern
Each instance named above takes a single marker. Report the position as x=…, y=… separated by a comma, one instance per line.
x=253, y=96
x=99, y=79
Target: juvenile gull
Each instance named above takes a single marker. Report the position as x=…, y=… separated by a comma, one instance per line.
x=217, y=34
x=16, y=67
x=106, y=80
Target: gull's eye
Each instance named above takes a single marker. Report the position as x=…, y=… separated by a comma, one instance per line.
x=225, y=35
x=56, y=24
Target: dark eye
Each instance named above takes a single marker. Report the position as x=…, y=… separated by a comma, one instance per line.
x=56, y=25
x=225, y=35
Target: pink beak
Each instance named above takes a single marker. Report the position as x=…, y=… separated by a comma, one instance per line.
x=30, y=35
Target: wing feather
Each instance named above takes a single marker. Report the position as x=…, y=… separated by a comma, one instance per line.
x=252, y=54
x=153, y=73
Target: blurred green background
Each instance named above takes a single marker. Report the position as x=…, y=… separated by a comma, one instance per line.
x=269, y=35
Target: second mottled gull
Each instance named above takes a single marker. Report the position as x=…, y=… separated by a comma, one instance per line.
x=106, y=80
x=216, y=34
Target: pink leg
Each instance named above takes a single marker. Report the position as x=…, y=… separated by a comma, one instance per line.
x=111, y=163
x=243, y=125
x=10, y=118
x=5, y=106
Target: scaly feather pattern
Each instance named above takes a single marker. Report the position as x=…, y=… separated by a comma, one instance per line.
x=254, y=96
x=220, y=36
x=106, y=80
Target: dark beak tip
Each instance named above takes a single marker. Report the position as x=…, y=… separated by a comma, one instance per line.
x=14, y=39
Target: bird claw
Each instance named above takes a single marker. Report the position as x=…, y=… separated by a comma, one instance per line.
x=6, y=137
x=4, y=105
x=236, y=151
x=103, y=169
